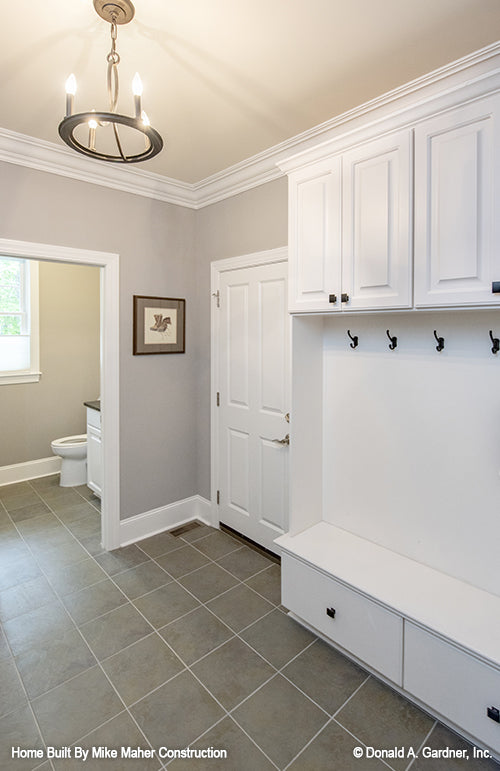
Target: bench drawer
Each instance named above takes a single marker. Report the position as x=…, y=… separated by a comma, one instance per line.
x=361, y=626
x=454, y=683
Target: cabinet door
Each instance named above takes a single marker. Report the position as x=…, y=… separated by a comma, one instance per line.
x=315, y=237
x=94, y=459
x=377, y=206
x=457, y=169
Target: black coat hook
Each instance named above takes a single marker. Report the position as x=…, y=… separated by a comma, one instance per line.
x=440, y=342
x=394, y=341
x=496, y=343
x=355, y=339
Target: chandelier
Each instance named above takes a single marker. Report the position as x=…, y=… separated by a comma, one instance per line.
x=93, y=139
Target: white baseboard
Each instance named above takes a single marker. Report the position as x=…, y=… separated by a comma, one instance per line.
x=21, y=472
x=167, y=517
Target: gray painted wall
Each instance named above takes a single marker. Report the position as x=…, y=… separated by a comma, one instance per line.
x=164, y=250
x=155, y=241
x=33, y=414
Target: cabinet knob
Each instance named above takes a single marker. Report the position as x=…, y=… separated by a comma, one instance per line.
x=332, y=299
x=330, y=612
x=344, y=297
x=494, y=714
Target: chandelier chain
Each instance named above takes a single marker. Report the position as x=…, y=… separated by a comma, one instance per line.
x=113, y=59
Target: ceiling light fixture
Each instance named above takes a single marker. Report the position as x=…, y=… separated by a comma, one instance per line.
x=119, y=12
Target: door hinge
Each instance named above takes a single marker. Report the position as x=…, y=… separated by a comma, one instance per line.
x=218, y=399
x=218, y=497
x=217, y=297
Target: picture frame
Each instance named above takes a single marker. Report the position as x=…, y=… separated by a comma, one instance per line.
x=159, y=325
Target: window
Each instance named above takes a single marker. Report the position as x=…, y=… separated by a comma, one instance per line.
x=19, y=345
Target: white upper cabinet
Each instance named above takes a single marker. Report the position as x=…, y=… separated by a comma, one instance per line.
x=315, y=237
x=376, y=234
x=457, y=170
x=350, y=225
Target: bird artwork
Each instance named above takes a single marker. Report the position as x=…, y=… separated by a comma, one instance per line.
x=161, y=323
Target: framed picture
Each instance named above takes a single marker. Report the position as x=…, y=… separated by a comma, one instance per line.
x=159, y=325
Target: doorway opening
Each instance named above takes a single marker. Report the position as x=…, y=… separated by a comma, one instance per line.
x=109, y=377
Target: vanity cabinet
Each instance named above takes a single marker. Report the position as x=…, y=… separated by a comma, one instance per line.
x=94, y=451
x=457, y=232
x=350, y=227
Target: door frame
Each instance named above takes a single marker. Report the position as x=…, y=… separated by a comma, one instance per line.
x=110, y=372
x=217, y=268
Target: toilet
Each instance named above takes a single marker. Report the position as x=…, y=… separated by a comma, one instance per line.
x=73, y=453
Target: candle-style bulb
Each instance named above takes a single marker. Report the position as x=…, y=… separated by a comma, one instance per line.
x=137, y=85
x=137, y=92
x=70, y=94
x=71, y=85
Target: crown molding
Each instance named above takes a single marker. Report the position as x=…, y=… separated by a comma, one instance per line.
x=269, y=165
x=41, y=155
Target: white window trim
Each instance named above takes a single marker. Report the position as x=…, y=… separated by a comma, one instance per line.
x=33, y=374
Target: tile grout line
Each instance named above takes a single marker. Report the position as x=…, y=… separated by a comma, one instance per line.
x=422, y=744
x=229, y=717
x=304, y=748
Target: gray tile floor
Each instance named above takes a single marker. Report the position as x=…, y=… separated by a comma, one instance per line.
x=175, y=642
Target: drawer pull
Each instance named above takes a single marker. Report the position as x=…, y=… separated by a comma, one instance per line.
x=332, y=298
x=494, y=713
x=344, y=297
x=330, y=612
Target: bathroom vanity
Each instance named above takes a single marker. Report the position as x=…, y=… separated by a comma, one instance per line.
x=94, y=447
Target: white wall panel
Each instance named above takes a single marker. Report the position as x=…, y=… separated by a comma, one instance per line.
x=411, y=439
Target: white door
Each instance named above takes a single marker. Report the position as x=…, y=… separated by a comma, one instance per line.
x=253, y=398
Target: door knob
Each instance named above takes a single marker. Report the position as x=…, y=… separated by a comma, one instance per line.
x=285, y=440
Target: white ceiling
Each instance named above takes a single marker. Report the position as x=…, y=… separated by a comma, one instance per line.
x=226, y=79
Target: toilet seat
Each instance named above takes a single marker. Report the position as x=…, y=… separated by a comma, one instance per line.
x=70, y=441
